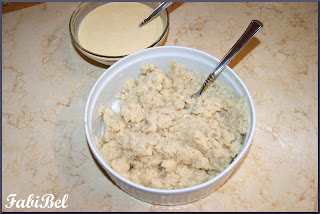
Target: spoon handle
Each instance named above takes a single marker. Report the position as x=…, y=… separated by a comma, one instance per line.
x=162, y=6
x=252, y=29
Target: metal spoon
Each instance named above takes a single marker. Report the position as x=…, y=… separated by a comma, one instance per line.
x=162, y=6
x=252, y=29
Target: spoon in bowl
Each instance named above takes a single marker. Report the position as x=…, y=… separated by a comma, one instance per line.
x=156, y=11
x=252, y=29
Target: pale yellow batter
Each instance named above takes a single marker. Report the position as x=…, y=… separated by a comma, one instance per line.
x=113, y=29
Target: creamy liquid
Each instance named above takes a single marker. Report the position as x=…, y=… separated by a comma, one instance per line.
x=113, y=29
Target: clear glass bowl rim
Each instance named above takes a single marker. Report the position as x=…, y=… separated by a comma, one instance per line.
x=105, y=56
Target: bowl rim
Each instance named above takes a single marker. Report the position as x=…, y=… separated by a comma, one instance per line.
x=105, y=56
x=234, y=163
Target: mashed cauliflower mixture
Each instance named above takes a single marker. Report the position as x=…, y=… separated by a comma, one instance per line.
x=157, y=143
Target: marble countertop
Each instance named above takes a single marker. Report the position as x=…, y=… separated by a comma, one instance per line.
x=45, y=84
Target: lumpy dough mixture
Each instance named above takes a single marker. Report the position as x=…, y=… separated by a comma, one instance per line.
x=156, y=143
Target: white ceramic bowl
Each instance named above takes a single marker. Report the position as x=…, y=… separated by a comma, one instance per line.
x=111, y=82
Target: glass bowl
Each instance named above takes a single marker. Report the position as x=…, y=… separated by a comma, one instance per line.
x=85, y=8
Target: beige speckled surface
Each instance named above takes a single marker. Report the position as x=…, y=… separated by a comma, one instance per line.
x=45, y=84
